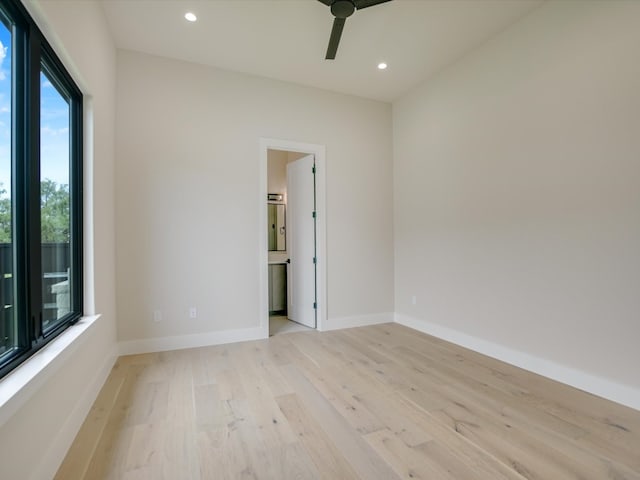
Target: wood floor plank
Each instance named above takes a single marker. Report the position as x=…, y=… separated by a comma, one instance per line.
x=357, y=452
x=400, y=422
x=112, y=448
x=487, y=391
x=328, y=460
x=222, y=450
x=614, y=443
x=530, y=457
x=620, y=422
x=467, y=453
x=380, y=402
x=264, y=411
x=295, y=463
x=598, y=464
x=87, y=439
x=407, y=462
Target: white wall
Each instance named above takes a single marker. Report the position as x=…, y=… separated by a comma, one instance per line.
x=48, y=421
x=277, y=171
x=517, y=192
x=187, y=178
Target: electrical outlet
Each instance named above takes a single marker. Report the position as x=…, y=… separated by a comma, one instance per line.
x=157, y=315
x=193, y=312
x=414, y=300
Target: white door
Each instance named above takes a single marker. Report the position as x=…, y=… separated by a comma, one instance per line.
x=301, y=240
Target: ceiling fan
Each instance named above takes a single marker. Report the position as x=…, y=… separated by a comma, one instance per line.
x=342, y=9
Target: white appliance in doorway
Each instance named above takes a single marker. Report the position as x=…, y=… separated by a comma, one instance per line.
x=301, y=241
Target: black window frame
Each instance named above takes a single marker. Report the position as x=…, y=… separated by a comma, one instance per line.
x=31, y=55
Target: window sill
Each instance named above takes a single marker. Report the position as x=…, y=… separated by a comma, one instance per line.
x=18, y=387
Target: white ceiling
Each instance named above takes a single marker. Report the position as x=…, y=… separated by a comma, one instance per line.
x=287, y=39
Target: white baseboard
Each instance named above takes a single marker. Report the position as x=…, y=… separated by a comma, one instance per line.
x=596, y=385
x=179, y=342
x=357, y=321
x=54, y=456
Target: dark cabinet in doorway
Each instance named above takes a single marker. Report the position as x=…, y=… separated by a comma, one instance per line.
x=278, y=289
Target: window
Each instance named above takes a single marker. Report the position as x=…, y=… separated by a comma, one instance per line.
x=40, y=190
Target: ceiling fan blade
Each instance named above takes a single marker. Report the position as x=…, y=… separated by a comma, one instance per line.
x=326, y=2
x=360, y=4
x=334, y=40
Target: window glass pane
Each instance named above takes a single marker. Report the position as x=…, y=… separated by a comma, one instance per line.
x=55, y=201
x=40, y=191
x=8, y=327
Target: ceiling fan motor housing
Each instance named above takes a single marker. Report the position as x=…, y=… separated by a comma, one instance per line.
x=342, y=8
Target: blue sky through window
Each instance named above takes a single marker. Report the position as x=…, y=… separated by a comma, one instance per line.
x=54, y=123
x=54, y=133
x=5, y=107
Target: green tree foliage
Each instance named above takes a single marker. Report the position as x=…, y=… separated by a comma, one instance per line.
x=54, y=204
x=5, y=216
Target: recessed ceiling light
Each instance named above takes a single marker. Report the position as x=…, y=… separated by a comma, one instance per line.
x=382, y=66
x=190, y=16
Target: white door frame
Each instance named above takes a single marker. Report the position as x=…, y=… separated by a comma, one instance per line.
x=321, y=227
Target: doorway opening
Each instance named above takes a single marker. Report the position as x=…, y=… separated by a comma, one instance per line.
x=292, y=238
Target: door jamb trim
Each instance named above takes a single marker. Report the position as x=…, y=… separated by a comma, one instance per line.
x=319, y=151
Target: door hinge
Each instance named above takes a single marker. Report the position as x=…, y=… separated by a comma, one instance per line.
x=313, y=214
x=315, y=260
x=315, y=306
x=313, y=169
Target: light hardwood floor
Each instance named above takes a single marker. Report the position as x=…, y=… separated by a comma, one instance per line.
x=280, y=324
x=380, y=402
